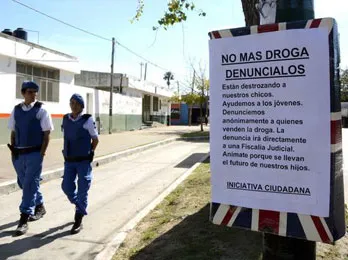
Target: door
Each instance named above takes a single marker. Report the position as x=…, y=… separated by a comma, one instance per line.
x=146, y=108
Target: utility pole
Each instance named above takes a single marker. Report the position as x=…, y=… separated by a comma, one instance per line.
x=177, y=82
x=111, y=84
x=141, y=71
x=145, y=73
x=277, y=247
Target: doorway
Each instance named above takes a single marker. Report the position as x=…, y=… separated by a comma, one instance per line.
x=146, y=108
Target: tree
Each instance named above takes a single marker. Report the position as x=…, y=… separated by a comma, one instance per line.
x=344, y=85
x=168, y=76
x=175, y=98
x=251, y=13
x=203, y=89
x=197, y=89
x=197, y=93
x=177, y=9
x=190, y=99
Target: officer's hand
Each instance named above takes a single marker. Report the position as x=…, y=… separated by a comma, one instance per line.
x=91, y=156
x=14, y=152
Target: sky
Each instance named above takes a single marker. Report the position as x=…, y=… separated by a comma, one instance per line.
x=172, y=50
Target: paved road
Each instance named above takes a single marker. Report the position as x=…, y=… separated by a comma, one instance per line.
x=119, y=190
x=108, y=144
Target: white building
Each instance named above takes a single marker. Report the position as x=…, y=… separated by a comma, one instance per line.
x=55, y=72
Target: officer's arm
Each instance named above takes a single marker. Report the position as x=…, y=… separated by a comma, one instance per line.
x=95, y=142
x=11, y=126
x=46, y=140
x=46, y=126
x=13, y=138
x=90, y=127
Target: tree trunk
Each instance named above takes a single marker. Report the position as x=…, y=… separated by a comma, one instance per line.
x=201, y=115
x=277, y=247
x=251, y=14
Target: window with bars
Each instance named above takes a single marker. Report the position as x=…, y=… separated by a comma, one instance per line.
x=46, y=78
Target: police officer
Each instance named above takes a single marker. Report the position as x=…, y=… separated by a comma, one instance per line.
x=30, y=126
x=80, y=142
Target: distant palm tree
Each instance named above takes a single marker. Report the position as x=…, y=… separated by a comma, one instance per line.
x=168, y=76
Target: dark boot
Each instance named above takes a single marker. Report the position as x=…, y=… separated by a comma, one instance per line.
x=22, y=225
x=40, y=211
x=78, y=224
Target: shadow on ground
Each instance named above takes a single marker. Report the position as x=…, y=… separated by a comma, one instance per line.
x=190, y=161
x=6, y=226
x=22, y=245
x=196, y=237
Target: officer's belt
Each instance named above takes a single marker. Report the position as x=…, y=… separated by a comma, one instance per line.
x=27, y=149
x=77, y=158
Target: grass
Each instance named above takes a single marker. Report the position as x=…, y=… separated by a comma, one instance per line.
x=196, y=134
x=179, y=228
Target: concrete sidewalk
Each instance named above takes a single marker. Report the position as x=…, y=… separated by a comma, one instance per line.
x=109, y=144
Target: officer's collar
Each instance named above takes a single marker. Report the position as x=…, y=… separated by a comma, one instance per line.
x=30, y=105
x=77, y=118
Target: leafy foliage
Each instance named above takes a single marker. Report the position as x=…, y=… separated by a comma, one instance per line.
x=344, y=79
x=344, y=85
x=189, y=98
x=176, y=12
x=175, y=98
x=140, y=11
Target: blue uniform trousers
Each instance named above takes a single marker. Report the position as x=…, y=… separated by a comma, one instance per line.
x=83, y=172
x=28, y=168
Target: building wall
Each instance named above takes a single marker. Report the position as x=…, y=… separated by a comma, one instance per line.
x=31, y=52
x=183, y=110
x=163, y=111
x=13, y=49
x=184, y=114
x=149, y=88
x=101, y=79
x=127, y=106
x=127, y=109
x=67, y=89
x=8, y=95
x=9, y=100
x=8, y=84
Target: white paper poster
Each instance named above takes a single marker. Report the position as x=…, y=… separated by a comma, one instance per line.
x=270, y=121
